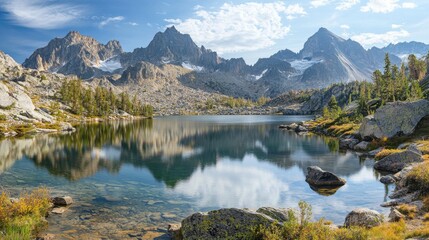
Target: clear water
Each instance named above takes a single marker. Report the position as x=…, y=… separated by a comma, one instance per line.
x=134, y=176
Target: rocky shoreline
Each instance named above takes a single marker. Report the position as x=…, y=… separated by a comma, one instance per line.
x=395, y=167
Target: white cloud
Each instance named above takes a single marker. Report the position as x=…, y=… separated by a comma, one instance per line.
x=345, y=26
x=409, y=5
x=346, y=4
x=385, y=6
x=133, y=23
x=371, y=39
x=110, y=20
x=240, y=27
x=320, y=3
x=396, y=26
x=41, y=14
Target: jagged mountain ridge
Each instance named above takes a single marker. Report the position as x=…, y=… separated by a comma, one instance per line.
x=403, y=49
x=325, y=59
x=76, y=54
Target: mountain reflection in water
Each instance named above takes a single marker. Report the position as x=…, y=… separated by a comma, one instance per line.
x=203, y=162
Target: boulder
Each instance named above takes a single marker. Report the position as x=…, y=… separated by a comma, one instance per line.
x=395, y=215
x=174, y=230
x=301, y=128
x=397, y=161
x=348, y=143
x=362, y=146
x=317, y=177
x=230, y=223
x=374, y=152
x=389, y=179
x=386, y=121
x=293, y=126
x=62, y=201
x=363, y=217
x=369, y=128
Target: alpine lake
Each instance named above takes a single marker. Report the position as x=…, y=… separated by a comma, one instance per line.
x=132, y=178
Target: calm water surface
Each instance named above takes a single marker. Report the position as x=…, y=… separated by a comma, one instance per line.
x=130, y=176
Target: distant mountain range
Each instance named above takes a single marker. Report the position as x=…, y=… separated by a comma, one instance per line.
x=325, y=59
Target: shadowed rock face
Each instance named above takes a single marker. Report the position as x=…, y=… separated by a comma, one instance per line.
x=319, y=178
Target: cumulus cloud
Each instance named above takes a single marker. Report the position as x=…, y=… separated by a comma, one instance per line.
x=371, y=39
x=240, y=27
x=320, y=3
x=110, y=20
x=346, y=4
x=41, y=14
x=385, y=6
x=345, y=26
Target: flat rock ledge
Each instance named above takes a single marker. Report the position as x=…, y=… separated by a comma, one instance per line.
x=320, y=178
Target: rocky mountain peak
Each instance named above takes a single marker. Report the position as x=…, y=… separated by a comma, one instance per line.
x=7, y=62
x=74, y=54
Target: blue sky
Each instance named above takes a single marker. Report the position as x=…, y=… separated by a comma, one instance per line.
x=249, y=29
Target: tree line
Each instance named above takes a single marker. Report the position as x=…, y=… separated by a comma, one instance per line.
x=100, y=102
x=391, y=84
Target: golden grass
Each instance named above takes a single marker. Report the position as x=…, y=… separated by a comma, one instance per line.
x=344, y=129
x=409, y=211
x=386, y=152
x=419, y=177
x=423, y=146
x=55, y=126
x=23, y=218
x=426, y=217
x=422, y=232
x=391, y=231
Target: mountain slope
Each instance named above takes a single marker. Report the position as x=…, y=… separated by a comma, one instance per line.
x=403, y=49
x=76, y=54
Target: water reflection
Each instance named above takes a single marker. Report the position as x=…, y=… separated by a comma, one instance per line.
x=180, y=165
x=172, y=149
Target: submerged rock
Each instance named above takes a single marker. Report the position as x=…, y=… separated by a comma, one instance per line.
x=317, y=177
x=363, y=217
x=62, y=201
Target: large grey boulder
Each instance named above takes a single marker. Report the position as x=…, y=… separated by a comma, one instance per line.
x=397, y=161
x=348, y=143
x=229, y=223
x=363, y=217
x=396, y=118
x=317, y=177
x=369, y=128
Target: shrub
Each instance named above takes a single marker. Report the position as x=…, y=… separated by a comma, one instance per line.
x=3, y=117
x=25, y=217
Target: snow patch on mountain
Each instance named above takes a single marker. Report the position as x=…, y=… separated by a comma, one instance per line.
x=192, y=67
x=303, y=64
x=109, y=65
x=260, y=76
